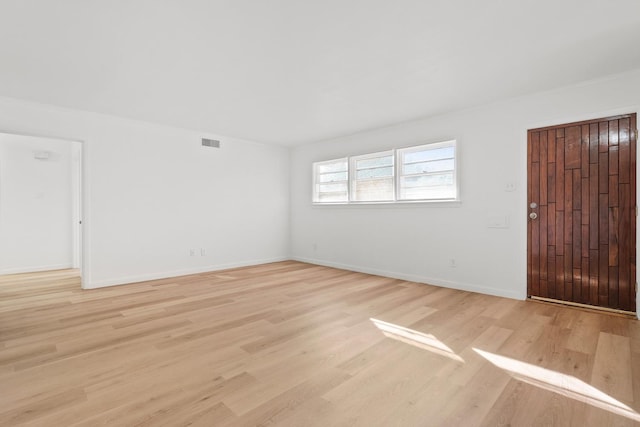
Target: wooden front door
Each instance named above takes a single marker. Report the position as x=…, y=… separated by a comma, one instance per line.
x=582, y=212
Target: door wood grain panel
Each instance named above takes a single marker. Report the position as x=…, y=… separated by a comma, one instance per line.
x=581, y=245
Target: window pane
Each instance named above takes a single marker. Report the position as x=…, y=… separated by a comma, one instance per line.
x=427, y=173
x=374, y=173
x=378, y=161
x=330, y=177
x=332, y=197
x=331, y=181
x=429, y=154
x=373, y=180
x=419, y=193
x=338, y=166
x=427, y=180
x=428, y=167
x=373, y=190
x=332, y=188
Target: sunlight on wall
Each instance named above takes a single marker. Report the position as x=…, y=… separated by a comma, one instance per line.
x=415, y=338
x=560, y=383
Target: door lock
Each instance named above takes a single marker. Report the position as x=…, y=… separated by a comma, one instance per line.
x=533, y=215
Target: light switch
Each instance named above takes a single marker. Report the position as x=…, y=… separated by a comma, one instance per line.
x=510, y=186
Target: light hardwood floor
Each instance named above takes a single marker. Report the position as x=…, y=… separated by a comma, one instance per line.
x=301, y=345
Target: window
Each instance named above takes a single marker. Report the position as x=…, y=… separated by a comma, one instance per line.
x=427, y=172
x=421, y=173
x=331, y=181
x=372, y=179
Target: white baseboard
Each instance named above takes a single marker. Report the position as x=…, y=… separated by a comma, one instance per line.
x=35, y=268
x=419, y=279
x=175, y=273
x=392, y=274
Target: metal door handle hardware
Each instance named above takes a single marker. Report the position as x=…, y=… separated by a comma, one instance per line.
x=533, y=205
x=533, y=215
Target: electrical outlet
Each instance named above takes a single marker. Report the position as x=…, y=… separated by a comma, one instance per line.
x=452, y=263
x=192, y=252
x=203, y=251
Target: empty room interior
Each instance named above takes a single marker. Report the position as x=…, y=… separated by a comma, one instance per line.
x=319, y=213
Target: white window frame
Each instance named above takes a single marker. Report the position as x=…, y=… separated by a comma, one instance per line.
x=397, y=175
x=432, y=146
x=353, y=176
x=316, y=182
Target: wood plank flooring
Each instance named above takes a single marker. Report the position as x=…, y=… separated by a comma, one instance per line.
x=295, y=344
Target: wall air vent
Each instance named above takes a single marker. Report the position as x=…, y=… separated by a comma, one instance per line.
x=210, y=143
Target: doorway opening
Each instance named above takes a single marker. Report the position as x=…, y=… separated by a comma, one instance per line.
x=40, y=205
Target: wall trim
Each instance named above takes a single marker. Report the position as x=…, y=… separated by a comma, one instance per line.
x=36, y=269
x=416, y=278
x=127, y=280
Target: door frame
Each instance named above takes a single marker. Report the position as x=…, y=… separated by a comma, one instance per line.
x=523, y=211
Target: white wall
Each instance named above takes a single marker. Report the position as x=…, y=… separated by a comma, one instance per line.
x=35, y=205
x=151, y=193
x=416, y=242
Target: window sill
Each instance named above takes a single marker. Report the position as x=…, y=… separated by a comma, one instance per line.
x=396, y=204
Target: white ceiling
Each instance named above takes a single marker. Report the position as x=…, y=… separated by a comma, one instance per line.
x=295, y=71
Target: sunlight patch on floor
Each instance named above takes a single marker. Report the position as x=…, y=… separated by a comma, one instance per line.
x=560, y=383
x=415, y=338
